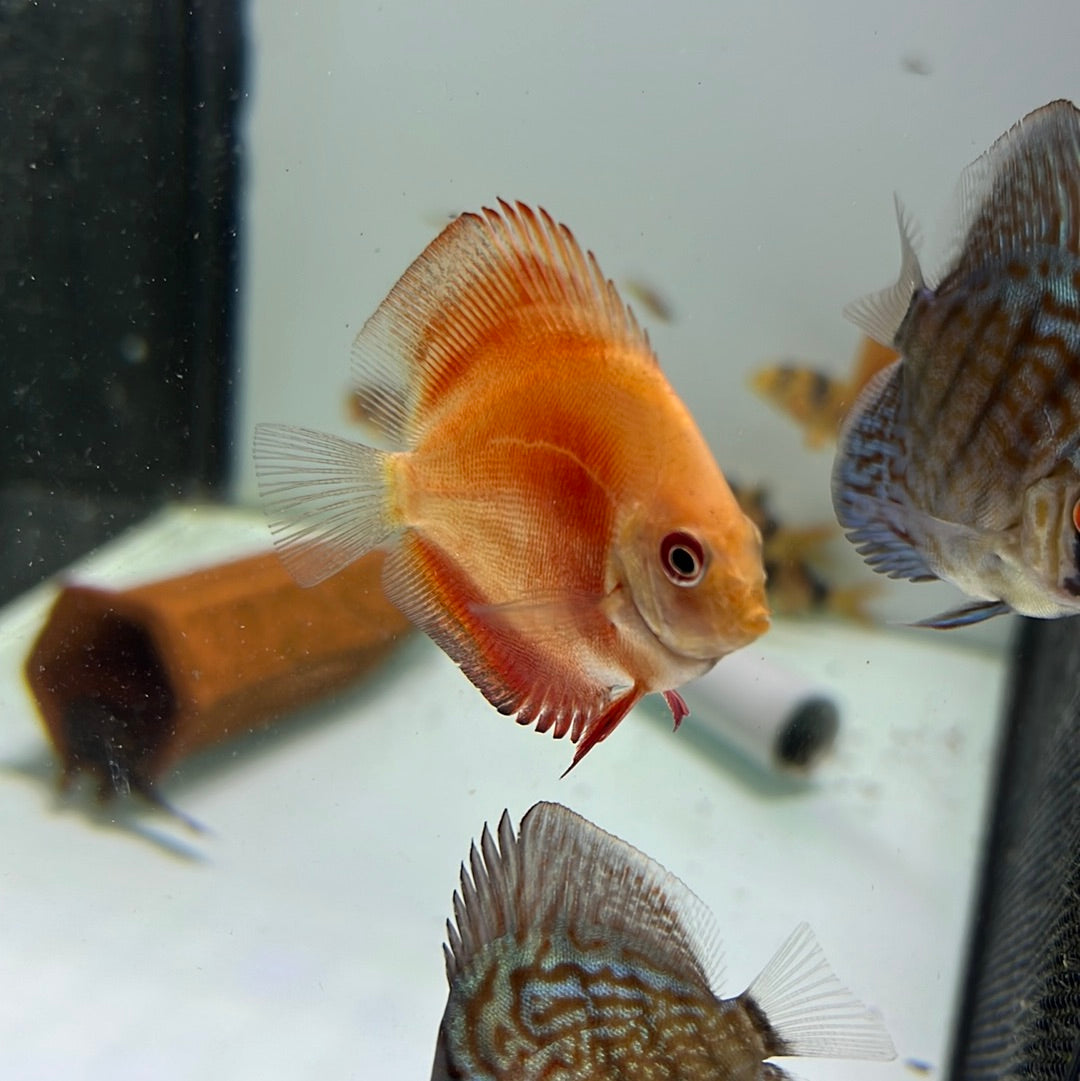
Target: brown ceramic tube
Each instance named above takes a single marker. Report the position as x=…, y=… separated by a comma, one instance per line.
x=130, y=681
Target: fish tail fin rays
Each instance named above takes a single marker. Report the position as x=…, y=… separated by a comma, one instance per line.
x=489, y=281
x=561, y=868
x=880, y=314
x=326, y=498
x=865, y=491
x=1023, y=194
x=806, y=1009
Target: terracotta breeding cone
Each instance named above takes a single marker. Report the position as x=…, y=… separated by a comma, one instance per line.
x=131, y=681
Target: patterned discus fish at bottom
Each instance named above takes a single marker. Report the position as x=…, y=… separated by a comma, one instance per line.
x=573, y=956
x=961, y=460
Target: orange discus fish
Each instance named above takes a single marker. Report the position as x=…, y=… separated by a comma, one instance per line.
x=553, y=517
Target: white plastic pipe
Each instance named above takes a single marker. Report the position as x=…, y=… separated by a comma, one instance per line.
x=780, y=720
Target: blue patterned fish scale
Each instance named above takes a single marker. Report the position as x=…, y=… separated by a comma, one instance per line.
x=997, y=357
x=557, y=1010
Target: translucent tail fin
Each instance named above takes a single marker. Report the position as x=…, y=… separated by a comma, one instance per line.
x=326, y=498
x=807, y=1009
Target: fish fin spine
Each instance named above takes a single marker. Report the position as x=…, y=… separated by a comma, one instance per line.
x=596, y=729
x=327, y=498
x=880, y=314
x=1023, y=194
x=807, y=1011
x=498, y=278
x=563, y=874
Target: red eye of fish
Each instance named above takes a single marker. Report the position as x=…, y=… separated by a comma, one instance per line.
x=1076, y=516
x=682, y=558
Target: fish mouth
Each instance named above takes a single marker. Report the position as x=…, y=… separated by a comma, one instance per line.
x=712, y=643
x=756, y=625
x=755, y=622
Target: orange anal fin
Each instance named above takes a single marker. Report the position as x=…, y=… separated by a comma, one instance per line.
x=538, y=676
x=602, y=727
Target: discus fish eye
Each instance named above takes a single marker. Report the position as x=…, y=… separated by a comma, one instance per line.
x=1076, y=516
x=683, y=558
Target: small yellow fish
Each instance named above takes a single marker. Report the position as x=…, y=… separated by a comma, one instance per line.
x=794, y=584
x=553, y=518
x=816, y=400
x=961, y=460
x=575, y=957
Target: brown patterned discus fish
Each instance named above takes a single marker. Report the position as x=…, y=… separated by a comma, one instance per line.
x=961, y=460
x=574, y=957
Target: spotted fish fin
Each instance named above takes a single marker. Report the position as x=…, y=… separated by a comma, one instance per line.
x=1023, y=194
x=529, y=659
x=488, y=283
x=808, y=1011
x=327, y=498
x=880, y=314
x=867, y=495
x=965, y=615
x=562, y=872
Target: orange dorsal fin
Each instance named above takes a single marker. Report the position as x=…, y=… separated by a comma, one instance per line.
x=511, y=279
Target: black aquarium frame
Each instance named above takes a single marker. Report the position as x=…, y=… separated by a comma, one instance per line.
x=1019, y=1013
x=119, y=179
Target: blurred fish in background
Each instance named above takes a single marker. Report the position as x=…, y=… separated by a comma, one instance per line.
x=800, y=579
x=572, y=956
x=961, y=460
x=814, y=399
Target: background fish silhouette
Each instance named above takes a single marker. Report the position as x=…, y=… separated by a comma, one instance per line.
x=960, y=461
x=553, y=517
x=817, y=401
x=574, y=957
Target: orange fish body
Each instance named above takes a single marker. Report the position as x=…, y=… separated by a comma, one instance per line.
x=554, y=519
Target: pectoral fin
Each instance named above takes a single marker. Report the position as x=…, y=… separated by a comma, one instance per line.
x=965, y=615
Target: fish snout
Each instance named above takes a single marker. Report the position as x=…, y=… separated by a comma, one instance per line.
x=756, y=616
